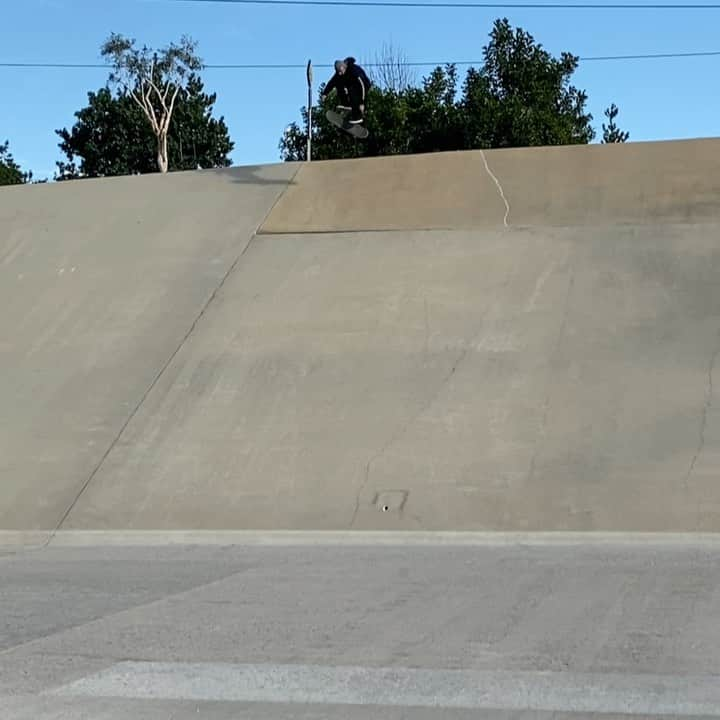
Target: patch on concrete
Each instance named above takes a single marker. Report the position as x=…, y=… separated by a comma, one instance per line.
x=390, y=500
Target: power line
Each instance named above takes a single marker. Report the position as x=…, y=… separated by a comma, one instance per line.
x=302, y=66
x=481, y=5
x=60, y=66
x=652, y=56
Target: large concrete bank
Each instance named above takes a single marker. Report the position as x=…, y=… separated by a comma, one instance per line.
x=507, y=340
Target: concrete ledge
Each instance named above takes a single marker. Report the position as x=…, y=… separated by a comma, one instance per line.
x=559, y=186
x=91, y=538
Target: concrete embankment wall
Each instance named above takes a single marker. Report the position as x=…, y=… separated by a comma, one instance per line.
x=507, y=340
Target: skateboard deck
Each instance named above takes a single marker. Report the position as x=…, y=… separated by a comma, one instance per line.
x=358, y=131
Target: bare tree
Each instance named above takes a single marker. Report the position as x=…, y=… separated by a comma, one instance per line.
x=153, y=80
x=391, y=69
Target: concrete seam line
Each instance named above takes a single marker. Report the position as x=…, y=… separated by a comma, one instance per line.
x=364, y=230
x=155, y=380
x=391, y=229
x=258, y=227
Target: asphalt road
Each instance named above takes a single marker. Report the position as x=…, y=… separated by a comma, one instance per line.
x=376, y=631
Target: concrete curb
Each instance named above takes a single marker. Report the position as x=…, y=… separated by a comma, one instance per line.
x=94, y=538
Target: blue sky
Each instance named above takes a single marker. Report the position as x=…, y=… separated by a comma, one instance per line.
x=658, y=99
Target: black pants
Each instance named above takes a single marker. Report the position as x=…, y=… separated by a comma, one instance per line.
x=352, y=97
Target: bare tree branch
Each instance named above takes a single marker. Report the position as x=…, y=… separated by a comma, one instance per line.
x=150, y=111
x=172, y=105
x=142, y=74
x=392, y=71
x=142, y=104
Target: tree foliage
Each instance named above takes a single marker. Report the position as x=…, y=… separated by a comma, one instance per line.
x=113, y=137
x=10, y=171
x=528, y=93
x=611, y=132
x=153, y=80
x=520, y=96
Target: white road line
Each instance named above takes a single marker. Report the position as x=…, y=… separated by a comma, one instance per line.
x=539, y=691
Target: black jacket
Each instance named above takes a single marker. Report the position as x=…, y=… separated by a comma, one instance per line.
x=353, y=74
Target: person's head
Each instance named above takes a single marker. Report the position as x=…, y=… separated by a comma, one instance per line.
x=340, y=67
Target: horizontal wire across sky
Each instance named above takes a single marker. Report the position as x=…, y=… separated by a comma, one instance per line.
x=413, y=4
x=469, y=4
x=296, y=66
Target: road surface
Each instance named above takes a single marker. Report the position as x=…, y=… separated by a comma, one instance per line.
x=379, y=630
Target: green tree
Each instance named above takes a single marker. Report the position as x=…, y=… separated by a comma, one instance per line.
x=520, y=96
x=527, y=93
x=435, y=120
x=386, y=114
x=10, y=172
x=153, y=80
x=611, y=132
x=416, y=119
x=112, y=136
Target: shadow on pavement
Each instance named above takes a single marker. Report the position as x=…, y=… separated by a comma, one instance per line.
x=253, y=176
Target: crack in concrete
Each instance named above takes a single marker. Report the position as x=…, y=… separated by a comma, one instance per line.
x=426, y=349
x=411, y=421
x=556, y=350
x=499, y=187
x=406, y=425
x=703, y=417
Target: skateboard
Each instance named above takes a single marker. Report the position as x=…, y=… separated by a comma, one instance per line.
x=359, y=131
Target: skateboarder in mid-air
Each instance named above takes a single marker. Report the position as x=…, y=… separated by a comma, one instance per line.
x=351, y=84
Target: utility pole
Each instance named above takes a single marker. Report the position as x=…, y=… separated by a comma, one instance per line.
x=309, y=105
